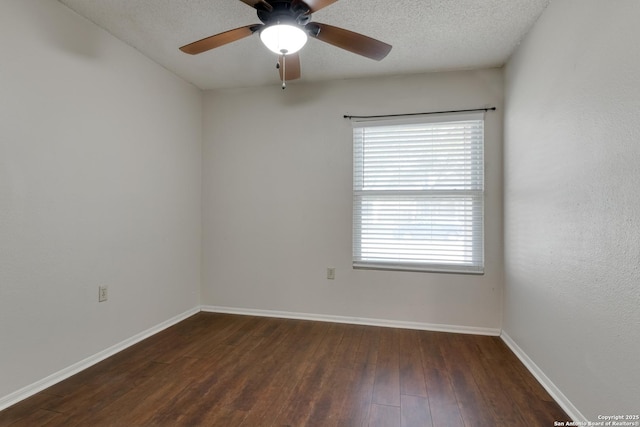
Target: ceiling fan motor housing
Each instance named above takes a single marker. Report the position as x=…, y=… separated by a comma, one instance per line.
x=284, y=12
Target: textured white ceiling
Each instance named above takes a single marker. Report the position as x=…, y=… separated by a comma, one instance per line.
x=427, y=35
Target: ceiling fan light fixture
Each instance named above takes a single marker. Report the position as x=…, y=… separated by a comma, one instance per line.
x=283, y=39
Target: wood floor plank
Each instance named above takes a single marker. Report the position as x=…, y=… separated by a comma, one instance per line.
x=414, y=411
x=504, y=373
x=472, y=403
x=88, y=397
x=411, y=372
x=41, y=417
x=137, y=407
x=216, y=335
x=218, y=379
x=443, y=403
x=22, y=409
x=300, y=410
x=274, y=377
x=339, y=379
x=220, y=369
x=285, y=369
x=356, y=407
x=386, y=389
x=384, y=416
x=492, y=384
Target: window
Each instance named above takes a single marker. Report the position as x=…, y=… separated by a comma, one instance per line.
x=418, y=194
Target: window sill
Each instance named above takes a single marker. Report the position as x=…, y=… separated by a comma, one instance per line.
x=422, y=268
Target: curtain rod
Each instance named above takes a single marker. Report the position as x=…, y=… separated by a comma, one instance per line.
x=420, y=114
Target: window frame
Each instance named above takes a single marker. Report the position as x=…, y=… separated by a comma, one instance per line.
x=477, y=196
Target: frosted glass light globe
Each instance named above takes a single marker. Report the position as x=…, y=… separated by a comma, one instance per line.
x=283, y=39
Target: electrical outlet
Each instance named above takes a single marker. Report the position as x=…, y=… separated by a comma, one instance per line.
x=103, y=293
x=331, y=273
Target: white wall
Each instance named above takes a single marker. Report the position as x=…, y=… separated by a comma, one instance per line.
x=99, y=184
x=277, y=201
x=572, y=202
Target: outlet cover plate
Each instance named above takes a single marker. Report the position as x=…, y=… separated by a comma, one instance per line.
x=331, y=273
x=103, y=293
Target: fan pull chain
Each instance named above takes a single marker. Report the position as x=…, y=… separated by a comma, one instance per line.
x=284, y=69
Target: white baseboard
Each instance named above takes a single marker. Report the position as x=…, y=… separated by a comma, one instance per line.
x=65, y=373
x=548, y=385
x=436, y=327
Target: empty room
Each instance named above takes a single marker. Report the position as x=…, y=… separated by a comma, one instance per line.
x=319, y=213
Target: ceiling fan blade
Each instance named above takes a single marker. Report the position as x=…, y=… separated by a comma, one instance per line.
x=221, y=39
x=256, y=3
x=316, y=5
x=291, y=66
x=353, y=42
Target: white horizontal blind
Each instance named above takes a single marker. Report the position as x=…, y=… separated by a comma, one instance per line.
x=418, y=195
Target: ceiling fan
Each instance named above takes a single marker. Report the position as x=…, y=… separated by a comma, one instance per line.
x=285, y=27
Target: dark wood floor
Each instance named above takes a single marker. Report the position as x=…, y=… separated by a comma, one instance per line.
x=225, y=370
